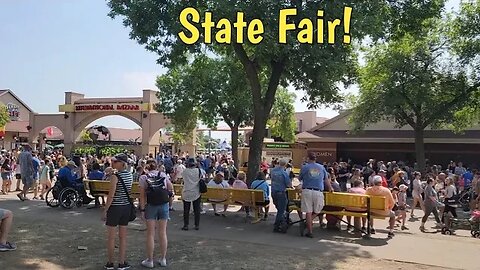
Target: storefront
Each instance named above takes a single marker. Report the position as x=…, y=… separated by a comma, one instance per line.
x=333, y=141
x=16, y=131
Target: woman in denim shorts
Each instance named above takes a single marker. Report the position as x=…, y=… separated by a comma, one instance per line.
x=156, y=216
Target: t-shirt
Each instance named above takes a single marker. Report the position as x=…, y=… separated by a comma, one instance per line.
x=179, y=171
x=280, y=180
x=152, y=175
x=417, y=187
x=402, y=198
x=223, y=184
x=26, y=164
x=96, y=175
x=344, y=172
x=262, y=185
x=430, y=192
x=45, y=173
x=468, y=178
x=239, y=184
x=191, y=189
x=450, y=191
x=313, y=175
x=460, y=171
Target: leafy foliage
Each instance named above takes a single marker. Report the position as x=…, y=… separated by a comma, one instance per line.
x=415, y=80
x=4, y=115
x=282, y=121
x=317, y=69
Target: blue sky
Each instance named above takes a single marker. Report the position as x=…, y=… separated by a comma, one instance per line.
x=51, y=46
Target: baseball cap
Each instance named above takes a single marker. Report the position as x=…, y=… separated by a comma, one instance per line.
x=71, y=163
x=120, y=157
x=191, y=162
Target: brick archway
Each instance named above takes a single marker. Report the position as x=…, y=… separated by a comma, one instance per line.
x=78, y=112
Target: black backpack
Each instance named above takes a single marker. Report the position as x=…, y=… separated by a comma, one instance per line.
x=157, y=193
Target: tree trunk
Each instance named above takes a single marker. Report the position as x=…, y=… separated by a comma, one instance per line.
x=256, y=145
x=235, y=146
x=420, y=149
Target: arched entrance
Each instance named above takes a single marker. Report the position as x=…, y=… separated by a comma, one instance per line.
x=78, y=112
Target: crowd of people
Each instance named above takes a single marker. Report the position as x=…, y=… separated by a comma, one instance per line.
x=396, y=181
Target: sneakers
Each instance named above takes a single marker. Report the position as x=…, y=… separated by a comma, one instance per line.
x=162, y=262
x=404, y=228
x=109, y=266
x=391, y=235
x=8, y=247
x=372, y=231
x=148, y=263
x=309, y=235
x=422, y=228
x=123, y=266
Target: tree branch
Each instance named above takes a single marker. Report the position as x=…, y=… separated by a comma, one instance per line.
x=443, y=108
x=252, y=74
x=274, y=81
x=407, y=118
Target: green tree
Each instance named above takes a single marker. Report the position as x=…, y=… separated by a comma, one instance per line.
x=85, y=137
x=282, y=123
x=414, y=80
x=317, y=69
x=4, y=115
x=217, y=91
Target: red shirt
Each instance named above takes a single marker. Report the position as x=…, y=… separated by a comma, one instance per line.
x=384, y=182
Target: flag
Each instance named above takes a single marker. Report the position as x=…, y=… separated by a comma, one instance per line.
x=50, y=131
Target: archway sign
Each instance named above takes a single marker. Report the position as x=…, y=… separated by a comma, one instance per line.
x=78, y=112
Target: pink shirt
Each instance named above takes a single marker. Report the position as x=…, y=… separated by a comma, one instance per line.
x=239, y=184
x=357, y=190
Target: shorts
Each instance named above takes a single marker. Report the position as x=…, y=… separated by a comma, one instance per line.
x=6, y=176
x=27, y=180
x=118, y=215
x=157, y=212
x=18, y=176
x=312, y=201
x=3, y=213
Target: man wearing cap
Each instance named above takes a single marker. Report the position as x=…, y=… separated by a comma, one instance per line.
x=314, y=178
x=67, y=176
x=379, y=190
x=25, y=160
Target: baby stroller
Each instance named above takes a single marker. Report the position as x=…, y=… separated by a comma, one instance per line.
x=475, y=224
x=465, y=197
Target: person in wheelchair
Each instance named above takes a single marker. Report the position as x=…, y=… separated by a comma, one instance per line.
x=68, y=177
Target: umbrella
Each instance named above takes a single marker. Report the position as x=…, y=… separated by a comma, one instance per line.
x=48, y=146
x=60, y=145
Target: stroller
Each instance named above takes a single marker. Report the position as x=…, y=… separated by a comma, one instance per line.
x=464, y=198
x=475, y=224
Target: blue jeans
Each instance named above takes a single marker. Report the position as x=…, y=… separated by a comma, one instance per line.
x=280, y=202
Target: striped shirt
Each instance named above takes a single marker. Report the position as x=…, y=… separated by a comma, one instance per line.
x=120, y=198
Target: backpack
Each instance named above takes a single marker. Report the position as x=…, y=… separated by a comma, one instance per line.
x=157, y=193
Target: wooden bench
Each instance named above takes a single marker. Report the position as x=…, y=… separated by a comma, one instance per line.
x=241, y=197
x=100, y=188
x=348, y=204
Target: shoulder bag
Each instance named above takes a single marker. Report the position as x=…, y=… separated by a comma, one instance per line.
x=201, y=184
x=133, y=210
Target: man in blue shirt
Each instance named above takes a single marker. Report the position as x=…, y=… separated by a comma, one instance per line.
x=67, y=176
x=467, y=178
x=314, y=179
x=280, y=182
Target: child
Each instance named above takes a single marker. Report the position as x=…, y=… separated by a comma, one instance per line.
x=402, y=205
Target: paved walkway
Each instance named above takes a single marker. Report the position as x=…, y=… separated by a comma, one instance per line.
x=432, y=248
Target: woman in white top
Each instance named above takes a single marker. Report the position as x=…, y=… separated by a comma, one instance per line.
x=450, y=193
x=219, y=182
x=191, y=193
x=417, y=192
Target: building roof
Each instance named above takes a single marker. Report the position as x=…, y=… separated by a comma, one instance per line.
x=5, y=91
x=17, y=126
x=109, y=100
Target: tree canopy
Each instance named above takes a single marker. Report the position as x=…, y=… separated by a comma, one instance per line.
x=282, y=123
x=317, y=69
x=4, y=115
x=417, y=80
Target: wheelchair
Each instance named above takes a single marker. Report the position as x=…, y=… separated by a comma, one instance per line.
x=63, y=195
